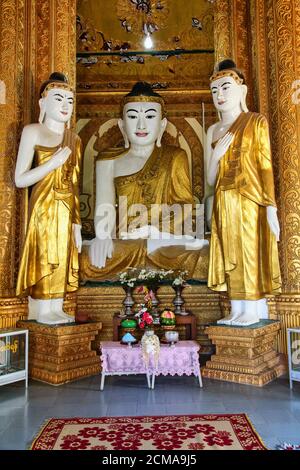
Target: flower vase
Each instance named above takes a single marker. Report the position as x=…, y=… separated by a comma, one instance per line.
x=178, y=301
x=148, y=332
x=155, y=303
x=128, y=301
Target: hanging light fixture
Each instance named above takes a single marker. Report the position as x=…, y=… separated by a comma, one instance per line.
x=148, y=43
x=147, y=30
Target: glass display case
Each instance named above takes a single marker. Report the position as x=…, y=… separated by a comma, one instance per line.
x=293, y=340
x=13, y=356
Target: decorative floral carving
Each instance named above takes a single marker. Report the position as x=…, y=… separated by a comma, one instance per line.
x=142, y=15
x=222, y=26
x=284, y=47
x=12, y=42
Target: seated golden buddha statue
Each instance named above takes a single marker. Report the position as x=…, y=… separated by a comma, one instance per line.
x=144, y=201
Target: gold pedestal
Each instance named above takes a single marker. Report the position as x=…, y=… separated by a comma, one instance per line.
x=61, y=353
x=245, y=355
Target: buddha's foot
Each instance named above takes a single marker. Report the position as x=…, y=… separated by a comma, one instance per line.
x=64, y=316
x=228, y=320
x=51, y=318
x=246, y=319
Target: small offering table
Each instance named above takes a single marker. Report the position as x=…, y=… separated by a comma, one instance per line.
x=179, y=359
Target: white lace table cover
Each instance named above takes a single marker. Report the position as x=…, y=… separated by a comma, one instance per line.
x=180, y=359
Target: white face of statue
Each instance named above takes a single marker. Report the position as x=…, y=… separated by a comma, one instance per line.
x=227, y=94
x=142, y=122
x=58, y=104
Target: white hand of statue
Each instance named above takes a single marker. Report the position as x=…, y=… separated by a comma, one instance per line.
x=59, y=158
x=100, y=250
x=273, y=221
x=77, y=237
x=222, y=146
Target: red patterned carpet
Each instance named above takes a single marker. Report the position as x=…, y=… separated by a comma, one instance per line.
x=196, y=432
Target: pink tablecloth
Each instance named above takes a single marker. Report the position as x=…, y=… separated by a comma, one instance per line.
x=180, y=359
x=117, y=357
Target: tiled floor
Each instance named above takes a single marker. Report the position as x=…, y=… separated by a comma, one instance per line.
x=274, y=410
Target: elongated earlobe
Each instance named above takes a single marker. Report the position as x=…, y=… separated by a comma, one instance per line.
x=244, y=106
x=42, y=111
x=42, y=116
x=161, y=133
x=121, y=127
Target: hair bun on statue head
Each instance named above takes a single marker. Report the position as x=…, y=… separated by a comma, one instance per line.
x=142, y=89
x=141, y=92
x=56, y=79
x=225, y=64
x=61, y=77
x=227, y=67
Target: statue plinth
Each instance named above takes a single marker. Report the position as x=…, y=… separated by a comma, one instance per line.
x=61, y=353
x=245, y=355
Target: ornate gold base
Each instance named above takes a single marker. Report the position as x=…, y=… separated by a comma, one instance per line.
x=59, y=354
x=12, y=309
x=245, y=355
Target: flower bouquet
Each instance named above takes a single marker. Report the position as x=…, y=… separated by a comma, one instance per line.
x=178, y=284
x=129, y=278
x=180, y=279
x=145, y=319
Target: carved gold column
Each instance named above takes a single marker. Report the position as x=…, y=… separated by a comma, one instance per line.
x=283, y=33
x=55, y=39
x=263, y=37
x=232, y=35
x=222, y=34
x=36, y=38
x=242, y=42
x=12, y=40
x=259, y=52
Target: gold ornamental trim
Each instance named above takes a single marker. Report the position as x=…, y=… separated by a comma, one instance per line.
x=226, y=73
x=242, y=332
x=248, y=379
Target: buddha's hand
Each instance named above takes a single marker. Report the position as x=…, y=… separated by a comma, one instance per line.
x=59, y=158
x=77, y=237
x=222, y=147
x=147, y=231
x=273, y=222
x=100, y=250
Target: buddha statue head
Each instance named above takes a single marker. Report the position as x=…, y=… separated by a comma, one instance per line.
x=56, y=99
x=228, y=87
x=143, y=119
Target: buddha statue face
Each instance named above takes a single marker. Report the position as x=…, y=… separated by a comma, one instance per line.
x=57, y=104
x=142, y=123
x=228, y=95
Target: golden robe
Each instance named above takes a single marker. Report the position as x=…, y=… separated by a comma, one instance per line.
x=164, y=179
x=49, y=266
x=243, y=250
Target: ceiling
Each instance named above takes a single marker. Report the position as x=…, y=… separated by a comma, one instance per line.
x=111, y=53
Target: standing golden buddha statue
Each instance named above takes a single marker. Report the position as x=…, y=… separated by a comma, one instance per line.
x=245, y=229
x=49, y=265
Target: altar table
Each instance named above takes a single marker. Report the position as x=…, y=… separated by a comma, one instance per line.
x=180, y=359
